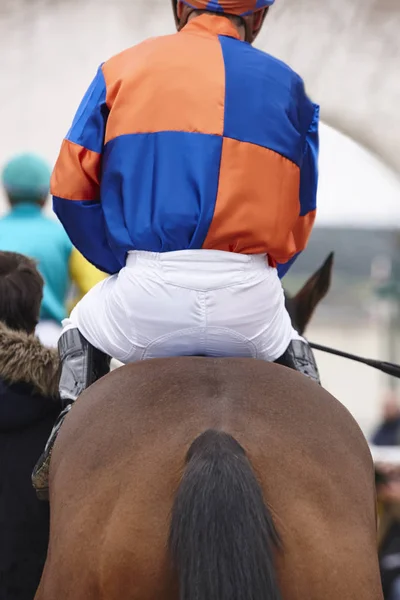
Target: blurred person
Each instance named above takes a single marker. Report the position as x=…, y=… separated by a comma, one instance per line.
x=388, y=432
x=26, y=229
x=190, y=176
x=388, y=496
x=29, y=405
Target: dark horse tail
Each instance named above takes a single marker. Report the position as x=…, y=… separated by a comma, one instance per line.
x=222, y=536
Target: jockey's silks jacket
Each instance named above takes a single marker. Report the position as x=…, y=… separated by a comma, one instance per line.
x=189, y=141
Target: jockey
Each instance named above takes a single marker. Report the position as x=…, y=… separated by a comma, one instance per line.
x=190, y=176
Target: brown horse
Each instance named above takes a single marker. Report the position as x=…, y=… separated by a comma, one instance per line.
x=211, y=479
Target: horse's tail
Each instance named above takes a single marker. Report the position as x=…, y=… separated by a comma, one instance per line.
x=222, y=536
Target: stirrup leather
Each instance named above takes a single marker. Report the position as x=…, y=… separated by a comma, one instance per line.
x=40, y=474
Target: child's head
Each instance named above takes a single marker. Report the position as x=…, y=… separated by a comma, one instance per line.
x=26, y=179
x=21, y=291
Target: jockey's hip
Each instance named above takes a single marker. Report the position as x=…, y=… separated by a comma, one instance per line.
x=202, y=302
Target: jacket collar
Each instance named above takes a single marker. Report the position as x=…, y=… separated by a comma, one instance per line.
x=213, y=25
x=23, y=359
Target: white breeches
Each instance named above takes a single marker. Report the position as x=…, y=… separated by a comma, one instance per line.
x=192, y=302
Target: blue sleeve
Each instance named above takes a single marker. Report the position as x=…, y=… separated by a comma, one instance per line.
x=90, y=236
x=75, y=184
x=309, y=168
x=308, y=189
x=89, y=124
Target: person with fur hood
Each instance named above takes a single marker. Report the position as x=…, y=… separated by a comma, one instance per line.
x=29, y=405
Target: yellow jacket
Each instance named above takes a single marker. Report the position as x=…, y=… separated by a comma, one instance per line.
x=83, y=275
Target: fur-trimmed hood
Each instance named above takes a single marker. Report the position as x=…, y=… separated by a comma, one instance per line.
x=23, y=359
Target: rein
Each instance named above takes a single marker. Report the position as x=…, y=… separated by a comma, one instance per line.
x=386, y=367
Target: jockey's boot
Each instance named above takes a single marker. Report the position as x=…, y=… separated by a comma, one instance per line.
x=300, y=357
x=81, y=365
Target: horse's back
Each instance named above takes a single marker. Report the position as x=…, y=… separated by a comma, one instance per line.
x=121, y=455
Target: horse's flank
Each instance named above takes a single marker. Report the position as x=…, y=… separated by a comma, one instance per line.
x=121, y=455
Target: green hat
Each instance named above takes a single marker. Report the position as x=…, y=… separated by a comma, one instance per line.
x=27, y=177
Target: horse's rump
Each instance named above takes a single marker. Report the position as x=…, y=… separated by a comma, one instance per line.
x=121, y=458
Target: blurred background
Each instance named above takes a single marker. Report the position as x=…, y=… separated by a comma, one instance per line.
x=348, y=53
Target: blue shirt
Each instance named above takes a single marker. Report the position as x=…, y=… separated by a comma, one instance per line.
x=25, y=229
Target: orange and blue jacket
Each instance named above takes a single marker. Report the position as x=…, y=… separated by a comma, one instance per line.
x=188, y=141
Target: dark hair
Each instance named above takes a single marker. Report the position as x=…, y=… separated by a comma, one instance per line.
x=21, y=291
x=239, y=21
